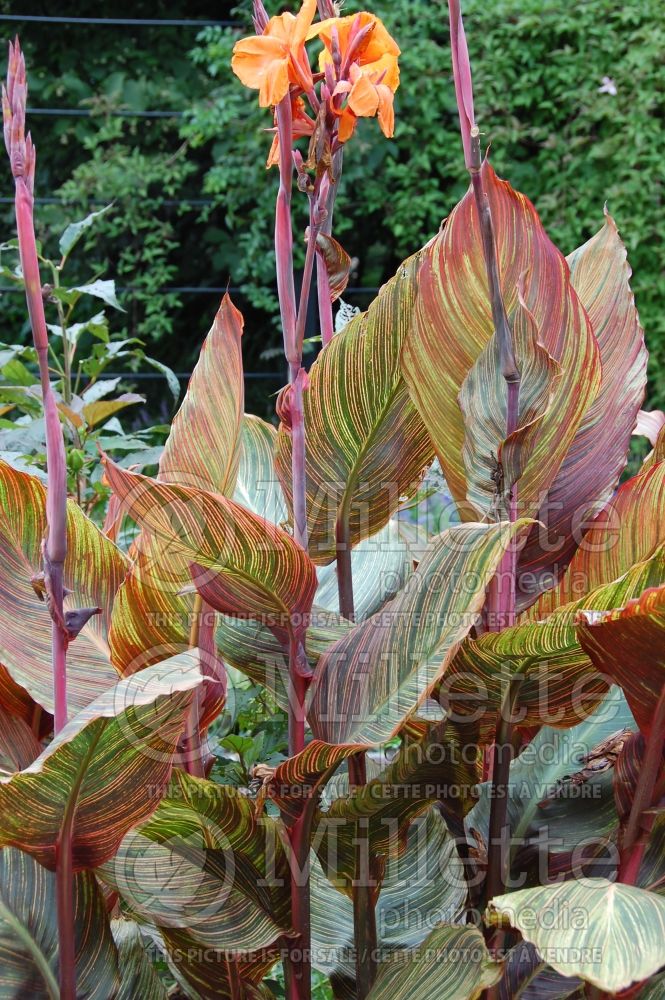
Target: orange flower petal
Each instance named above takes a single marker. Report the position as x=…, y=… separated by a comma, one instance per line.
x=260, y=62
x=386, y=67
x=347, y=125
x=303, y=23
x=364, y=98
x=386, y=110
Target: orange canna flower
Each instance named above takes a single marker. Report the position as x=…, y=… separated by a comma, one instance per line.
x=368, y=96
x=271, y=62
x=373, y=47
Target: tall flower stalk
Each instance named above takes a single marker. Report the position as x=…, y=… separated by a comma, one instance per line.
x=357, y=76
x=22, y=158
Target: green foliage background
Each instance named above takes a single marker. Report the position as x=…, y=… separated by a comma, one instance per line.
x=539, y=67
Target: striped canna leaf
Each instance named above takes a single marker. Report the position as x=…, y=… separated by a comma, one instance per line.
x=203, y=446
x=366, y=445
x=18, y=744
x=254, y=650
x=205, y=865
x=589, y=474
x=611, y=934
x=257, y=485
x=29, y=933
x=211, y=974
x=139, y=978
x=483, y=400
x=420, y=888
x=453, y=963
x=453, y=326
x=242, y=564
x=626, y=531
x=380, y=565
x=371, y=680
x=98, y=771
x=628, y=644
x=94, y=569
x=562, y=683
x=433, y=770
x=539, y=777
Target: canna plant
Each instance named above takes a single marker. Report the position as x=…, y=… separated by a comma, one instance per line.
x=471, y=802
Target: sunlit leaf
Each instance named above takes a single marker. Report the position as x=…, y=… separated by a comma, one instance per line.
x=453, y=325
x=100, y=765
x=242, y=564
x=611, y=936
x=366, y=445
x=629, y=645
x=29, y=933
x=589, y=474
x=562, y=683
x=626, y=531
x=203, y=444
x=94, y=569
x=367, y=683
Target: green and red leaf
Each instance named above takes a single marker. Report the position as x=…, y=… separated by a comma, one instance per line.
x=242, y=564
x=453, y=325
x=366, y=445
x=590, y=472
x=94, y=569
x=203, y=447
x=628, y=530
x=29, y=933
x=372, y=679
x=628, y=645
x=100, y=766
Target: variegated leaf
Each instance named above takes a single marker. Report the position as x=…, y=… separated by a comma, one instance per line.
x=483, y=400
x=562, y=684
x=337, y=263
x=205, y=865
x=202, y=449
x=370, y=681
x=100, y=765
x=600, y=275
x=380, y=565
x=139, y=978
x=628, y=644
x=257, y=485
x=453, y=963
x=254, y=650
x=435, y=769
x=241, y=563
x=366, y=444
x=542, y=771
x=421, y=887
x=626, y=531
x=611, y=936
x=18, y=744
x=94, y=569
x=29, y=933
x=453, y=325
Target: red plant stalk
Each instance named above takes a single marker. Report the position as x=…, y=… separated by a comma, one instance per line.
x=22, y=158
x=635, y=835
